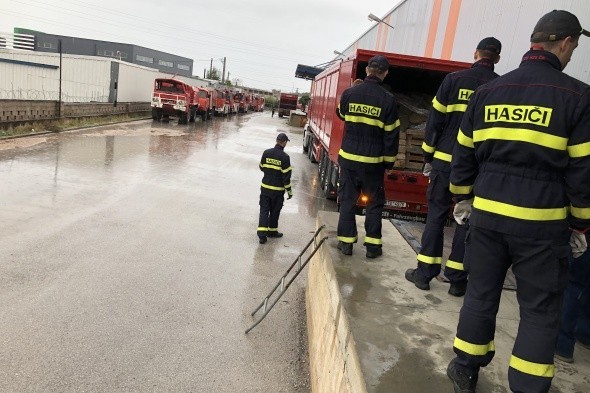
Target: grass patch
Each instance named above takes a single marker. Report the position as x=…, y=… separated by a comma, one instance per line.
x=70, y=123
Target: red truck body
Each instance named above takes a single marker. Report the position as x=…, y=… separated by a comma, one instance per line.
x=405, y=188
x=220, y=106
x=287, y=103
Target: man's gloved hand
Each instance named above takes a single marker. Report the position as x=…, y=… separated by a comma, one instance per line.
x=462, y=211
x=578, y=243
x=289, y=196
x=427, y=169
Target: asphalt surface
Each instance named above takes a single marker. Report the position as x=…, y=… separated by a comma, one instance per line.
x=129, y=260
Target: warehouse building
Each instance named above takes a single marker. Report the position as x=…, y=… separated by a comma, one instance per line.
x=162, y=61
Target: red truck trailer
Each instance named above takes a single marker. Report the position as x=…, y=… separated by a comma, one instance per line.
x=414, y=82
x=287, y=103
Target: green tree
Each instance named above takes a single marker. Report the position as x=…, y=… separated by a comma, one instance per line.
x=271, y=101
x=213, y=73
x=304, y=99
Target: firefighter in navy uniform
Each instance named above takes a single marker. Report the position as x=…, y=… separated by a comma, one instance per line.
x=369, y=146
x=448, y=107
x=523, y=155
x=277, y=170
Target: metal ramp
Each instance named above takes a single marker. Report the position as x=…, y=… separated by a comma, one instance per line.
x=290, y=275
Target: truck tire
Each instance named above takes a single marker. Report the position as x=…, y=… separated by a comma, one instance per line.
x=204, y=116
x=156, y=114
x=182, y=118
x=191, y=118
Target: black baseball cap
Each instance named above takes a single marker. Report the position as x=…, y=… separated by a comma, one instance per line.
x=379, y=62
x=490, y=44
x=556, y=25
x=282, y=137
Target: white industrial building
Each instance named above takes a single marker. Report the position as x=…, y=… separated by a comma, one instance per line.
x=30, y=75
x=451, y=29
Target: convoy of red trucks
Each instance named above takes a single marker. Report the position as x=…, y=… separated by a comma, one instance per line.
x=175, y=98
x=287, y=103
x=413, y=81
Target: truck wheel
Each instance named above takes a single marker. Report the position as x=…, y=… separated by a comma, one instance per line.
x=183, y=118
x=156, y=114
x=192, y=115
x=204, y=116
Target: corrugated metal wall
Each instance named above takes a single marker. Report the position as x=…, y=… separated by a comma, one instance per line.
x=451, y=29
x=84, y=78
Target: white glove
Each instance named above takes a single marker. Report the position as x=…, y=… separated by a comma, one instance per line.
x=427, y=169
x=578, y=243
x=462, y=211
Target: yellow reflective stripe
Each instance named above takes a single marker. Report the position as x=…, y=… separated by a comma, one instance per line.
x=373, y=240
x=365, y=159
x=272, y=187
x=364, y=120
x=287, y=169
x=523, y=213
x=536, y=369
x=438, y=106
x=389, y=158
x=339, y=111
x=443, y=156
x=429, y=260
x=464, y=139
x=460, y=190
x=521, y=135
x=426, y=148
x=347, y=239
x=391, y=127
x=580, y=150
x=273, y=229
x=262, y=229
x=457, y=108
x=580, y=212
x=288, y=185
x=474, y=349
x=454, y=265
x=278, y=168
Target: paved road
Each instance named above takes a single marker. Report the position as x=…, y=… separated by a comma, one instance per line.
x=129, y=260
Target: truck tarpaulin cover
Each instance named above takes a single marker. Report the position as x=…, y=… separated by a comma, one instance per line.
x=307, y=72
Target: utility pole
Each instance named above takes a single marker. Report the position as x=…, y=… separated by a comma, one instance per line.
x=204, y=73
x=60, y=67
x=228, y=75
x=223, y=73
x=211, y=69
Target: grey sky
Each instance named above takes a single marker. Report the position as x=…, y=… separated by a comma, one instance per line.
x=263, y=40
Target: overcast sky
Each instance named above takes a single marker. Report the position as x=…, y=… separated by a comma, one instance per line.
x=263, y=40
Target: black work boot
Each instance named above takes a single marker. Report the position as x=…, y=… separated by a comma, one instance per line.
x=412, y=276
x=261, y=239
x=275, y=234
x=458, y=289
x=345, y=248
x=462, y=382
x=374, y=252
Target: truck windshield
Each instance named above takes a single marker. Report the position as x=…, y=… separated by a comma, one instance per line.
x=169, y=87
x=202, y=94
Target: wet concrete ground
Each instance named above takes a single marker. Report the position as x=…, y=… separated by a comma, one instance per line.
x=129, y=260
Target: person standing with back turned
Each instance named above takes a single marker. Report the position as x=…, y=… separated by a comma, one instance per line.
x=276, y=165
x=520, y=172
x=369, y=146
x=448, y=107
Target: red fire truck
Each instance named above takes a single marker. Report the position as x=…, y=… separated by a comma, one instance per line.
x=174, y=98
x=287, y=103
x=258, y=103
x=413, y=81
x=220, y=107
